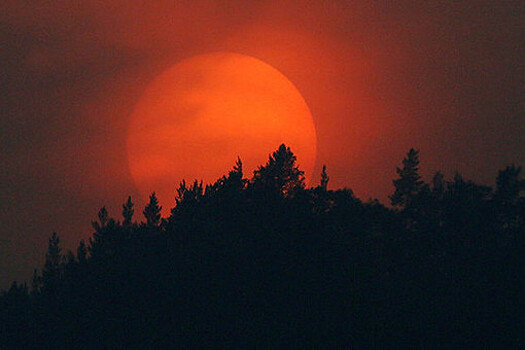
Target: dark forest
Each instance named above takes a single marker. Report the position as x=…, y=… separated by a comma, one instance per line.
x=265, y=261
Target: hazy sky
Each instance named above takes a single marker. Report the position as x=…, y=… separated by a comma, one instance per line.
x=379, y=77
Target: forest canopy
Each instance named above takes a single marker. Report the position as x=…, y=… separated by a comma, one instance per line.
x=266, y=260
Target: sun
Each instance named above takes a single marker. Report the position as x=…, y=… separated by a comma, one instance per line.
x=197, y=117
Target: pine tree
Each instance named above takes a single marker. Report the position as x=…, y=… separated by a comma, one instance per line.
x=103, y=237
x=82, y=252
x=51, y=270
x=324, y=179
x=409, y=183
x=509, y=185
x=127, y=212
x=189, y=195
x=102, y=219
x=235, y=177
x=438, y=184
x=35, y=283
x=152, y=211
x=280, y=173
x=237, y=169
x=320, y=196
x=234, y=182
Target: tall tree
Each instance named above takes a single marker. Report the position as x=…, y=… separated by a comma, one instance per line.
x=321, y=199
x=233, y=183
x=507, y=196
x=189, y=195
x=438, y=184
x=51, y=270
x=509, y=185
x=35, y=282
x=235, y=176
x=324, y=179
x=82, y=252
x=102, y=219
x=103, y=237
x=127, y=212
x=280, y=174
x=409, y=183
x=152, y=211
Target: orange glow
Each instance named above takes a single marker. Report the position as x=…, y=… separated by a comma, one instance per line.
x=196, y=118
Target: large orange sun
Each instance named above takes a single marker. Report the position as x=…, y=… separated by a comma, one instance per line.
x=196, y=118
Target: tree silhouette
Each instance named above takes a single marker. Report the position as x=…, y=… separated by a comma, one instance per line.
x=51, y=270
x=511, y=206
x=102, y=219
x=236, y=173
x=324, y=179
x=152, y=211
x=438, y=184
x=127, y=212
x=189, y=195
x=102, y=240
x=82, y=252
x=235, y=180
x=268, y=262
x=409, y=183
x=509, y=185
x=280, y=174
x=36, y=283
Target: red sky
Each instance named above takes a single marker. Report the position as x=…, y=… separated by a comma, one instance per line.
x=379, y=77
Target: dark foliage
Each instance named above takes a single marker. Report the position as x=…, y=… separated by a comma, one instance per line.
x=409, y=183
x=127, y=212
x=266, y=262
x=151, y=212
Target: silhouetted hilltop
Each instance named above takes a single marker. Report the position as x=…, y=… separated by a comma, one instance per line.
x=266, y=262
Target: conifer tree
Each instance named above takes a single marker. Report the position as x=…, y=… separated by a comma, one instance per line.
x=127, y=212
x=509, y=185
x=280, y=173
x=51, y=270
x=102, y=237
x=102, y=219
x=237, y=169
x=152, y=211
x=324, y=179
x=82, y=252
x=438, y=183
x=234, y=181
x=35, y=282
x=409, y=183
x=235, y=176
